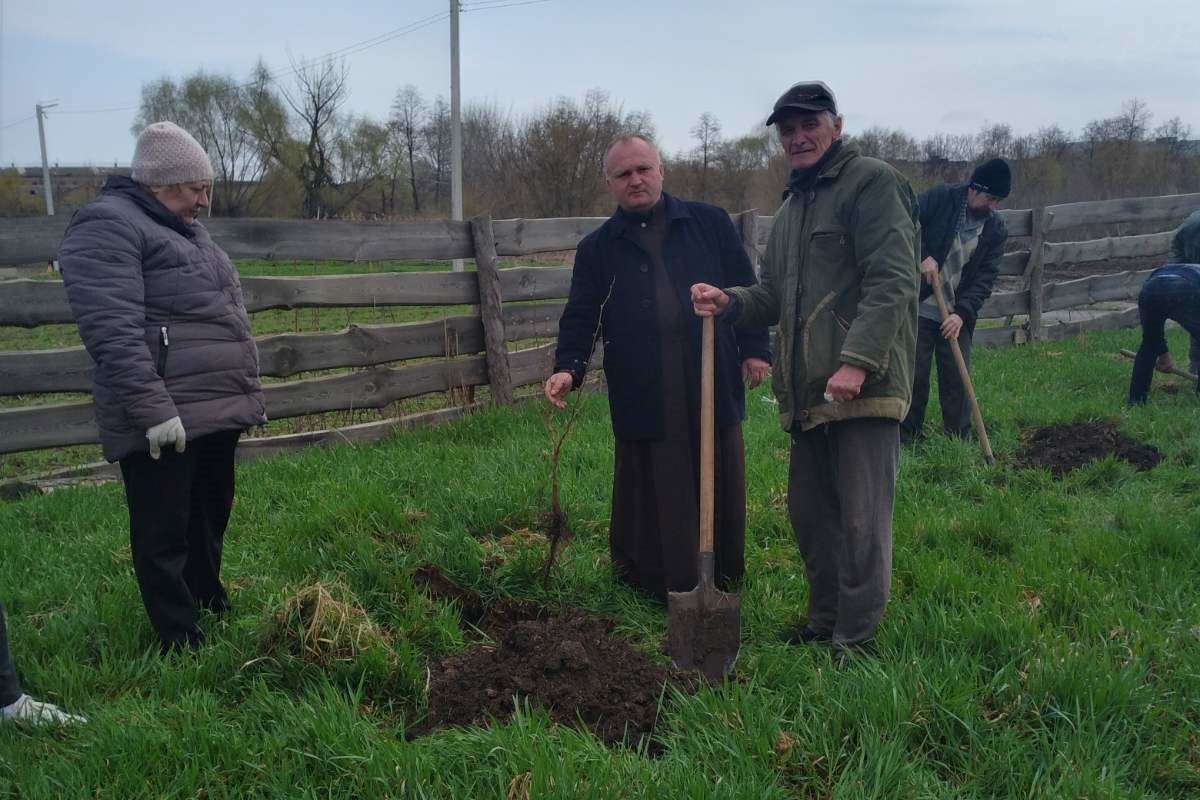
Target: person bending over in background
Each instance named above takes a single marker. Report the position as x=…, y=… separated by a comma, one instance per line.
x=1171, y=292
x=159, y=308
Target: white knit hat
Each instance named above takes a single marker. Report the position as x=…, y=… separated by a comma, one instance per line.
x=166, y=154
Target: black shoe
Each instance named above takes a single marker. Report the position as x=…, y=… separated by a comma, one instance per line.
x=802, y=634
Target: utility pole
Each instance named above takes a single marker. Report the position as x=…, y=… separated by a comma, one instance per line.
x=456, y=206
x=41, y=113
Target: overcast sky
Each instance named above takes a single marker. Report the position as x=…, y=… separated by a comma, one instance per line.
x=921, y=65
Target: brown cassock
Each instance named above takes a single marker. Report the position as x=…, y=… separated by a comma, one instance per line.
x=655, y=528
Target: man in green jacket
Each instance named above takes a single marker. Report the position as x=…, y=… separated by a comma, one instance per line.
x=840, y=278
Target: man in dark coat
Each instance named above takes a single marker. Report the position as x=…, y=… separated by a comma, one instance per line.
x=962, y=240
x=160, y=311
x=630, y=287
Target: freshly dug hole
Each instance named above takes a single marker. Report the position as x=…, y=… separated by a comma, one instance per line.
x=1062, y=448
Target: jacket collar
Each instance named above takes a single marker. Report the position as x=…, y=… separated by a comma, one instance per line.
x=675, y=208
x=125, y=187
x=845, y=154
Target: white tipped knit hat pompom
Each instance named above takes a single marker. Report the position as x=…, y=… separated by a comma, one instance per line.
x=166, y=154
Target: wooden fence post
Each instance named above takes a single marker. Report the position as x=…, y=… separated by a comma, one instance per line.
x=748, y=230
x=491, y=309
x=1036, y=286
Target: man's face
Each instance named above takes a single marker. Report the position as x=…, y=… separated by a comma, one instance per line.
x=981, y=205
x=634, y=174
x=185, y=200
x=806, y=135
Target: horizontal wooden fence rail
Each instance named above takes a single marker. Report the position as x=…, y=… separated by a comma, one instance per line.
x=282, y=355
x=29, y=303
x=35, y=240
x=64, y=424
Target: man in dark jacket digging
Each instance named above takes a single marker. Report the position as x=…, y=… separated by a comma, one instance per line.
x=159, y=308
x=630, y=285
x=962, y=240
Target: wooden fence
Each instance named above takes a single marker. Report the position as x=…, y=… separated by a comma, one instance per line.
x=475, y=350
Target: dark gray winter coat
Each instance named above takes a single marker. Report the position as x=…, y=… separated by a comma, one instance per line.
x=159, y=307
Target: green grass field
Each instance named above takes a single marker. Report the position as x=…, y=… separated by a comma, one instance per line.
x=1042, y=641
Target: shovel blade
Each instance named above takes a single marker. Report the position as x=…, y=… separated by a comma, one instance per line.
x=704, y=630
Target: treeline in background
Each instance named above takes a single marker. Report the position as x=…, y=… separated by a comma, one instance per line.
x=293, y=149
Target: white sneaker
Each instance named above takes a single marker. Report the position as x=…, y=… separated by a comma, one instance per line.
x=32, y=712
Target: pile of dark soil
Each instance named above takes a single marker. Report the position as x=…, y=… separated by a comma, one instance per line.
x=568, y=663
x=1062, y=448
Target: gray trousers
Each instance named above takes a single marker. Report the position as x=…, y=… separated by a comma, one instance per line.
x=841, y=486
x=10, y=689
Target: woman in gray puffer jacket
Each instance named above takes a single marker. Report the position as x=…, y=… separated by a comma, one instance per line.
x=159, y=308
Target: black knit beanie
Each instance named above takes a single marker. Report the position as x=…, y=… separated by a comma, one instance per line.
x=993, y=177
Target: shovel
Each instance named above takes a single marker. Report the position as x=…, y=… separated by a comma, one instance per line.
x=704, y=626
x=976, y=414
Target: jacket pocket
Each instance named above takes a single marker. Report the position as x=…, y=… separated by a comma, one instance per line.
x=823, y=336
x=164, y=344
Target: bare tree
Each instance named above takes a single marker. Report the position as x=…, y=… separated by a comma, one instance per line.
x=994, y=141
x=1133, y=123
x=435, y=136
x=408, y=121
x=215, y=110
x=561, y=152
x=318, y=93
x=707, y=131
x=1051, y=141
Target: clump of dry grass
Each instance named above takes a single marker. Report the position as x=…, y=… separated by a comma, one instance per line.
x=322, y=623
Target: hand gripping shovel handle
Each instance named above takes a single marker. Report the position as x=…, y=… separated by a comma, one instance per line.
x=976, y=414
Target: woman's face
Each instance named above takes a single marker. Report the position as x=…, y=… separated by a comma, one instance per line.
x=184, y=199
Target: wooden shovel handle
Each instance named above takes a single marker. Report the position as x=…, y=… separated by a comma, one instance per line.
x=706, y=437
x=976, y=415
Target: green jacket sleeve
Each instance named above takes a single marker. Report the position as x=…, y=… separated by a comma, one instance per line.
x=759, y=305
x=885, y=227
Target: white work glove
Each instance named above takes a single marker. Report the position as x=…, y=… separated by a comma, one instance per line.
x=165, y=433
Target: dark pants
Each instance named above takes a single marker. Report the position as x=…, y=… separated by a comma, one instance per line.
x=841, y=487
x=10, y=687
x=1159, y=301
x=956, y=408
x=178, y=510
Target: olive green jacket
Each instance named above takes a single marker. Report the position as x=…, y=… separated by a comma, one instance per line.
x=840, y=278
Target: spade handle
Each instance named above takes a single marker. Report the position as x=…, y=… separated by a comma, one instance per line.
x=976, y=415
x=706, y=438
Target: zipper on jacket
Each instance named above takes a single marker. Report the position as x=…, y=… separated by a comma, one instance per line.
x=162, y=351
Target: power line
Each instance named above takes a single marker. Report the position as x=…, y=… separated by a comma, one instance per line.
x=96, y=110
x=491, y=5
x=8, y=125
x=358, y=47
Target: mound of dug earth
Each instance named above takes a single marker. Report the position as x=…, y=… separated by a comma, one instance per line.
x=1062, y=448
x=568, y=664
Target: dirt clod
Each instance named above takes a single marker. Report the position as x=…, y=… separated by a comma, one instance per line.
x=1062, y=448
x=569, y=664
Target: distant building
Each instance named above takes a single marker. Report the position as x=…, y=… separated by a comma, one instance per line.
x=72, y=187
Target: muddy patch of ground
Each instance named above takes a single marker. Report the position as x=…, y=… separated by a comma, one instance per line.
x=1062, y=448
x=568, y=663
